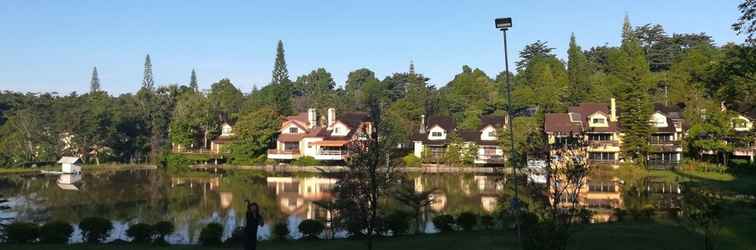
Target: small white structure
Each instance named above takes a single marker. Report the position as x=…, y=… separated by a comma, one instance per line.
x=68, y=181
x=70, y=165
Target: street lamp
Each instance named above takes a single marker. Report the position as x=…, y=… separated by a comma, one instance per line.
x=504, y=24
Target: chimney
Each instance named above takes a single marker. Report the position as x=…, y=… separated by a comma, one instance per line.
x=613, y=110
x=722, y=106
x=331, y=117
x=422, y=124
x=312, y=117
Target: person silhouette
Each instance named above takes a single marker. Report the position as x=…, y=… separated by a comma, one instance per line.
x=254, y=220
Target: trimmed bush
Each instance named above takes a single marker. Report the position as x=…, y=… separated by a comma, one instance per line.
x=585, y=216
x=467, y=220
x=281, y=230
x=55, y=232
x=398, y=222
x=21, y=232
x=211, y=235
x=237, y=237
x=95, y=229
x=311, y=228
x=411, y=161
x=444, y=223
x=163, y=229
x=140, y=232
x=305, y=161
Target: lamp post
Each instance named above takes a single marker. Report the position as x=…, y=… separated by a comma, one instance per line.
x=504, y=24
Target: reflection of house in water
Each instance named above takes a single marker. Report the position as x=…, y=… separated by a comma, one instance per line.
x=68, y=181
x=488, y=203
x=602, y=195
x=226, y=199
x=439, y=201
x=295, y=196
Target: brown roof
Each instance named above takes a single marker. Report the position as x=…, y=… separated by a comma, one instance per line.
x=560, y=123
x=353, y=119
x=290, y=137
x=497, y=121
x=445, y=122
x=224, y=139
x=587, y=108
x=301, y=118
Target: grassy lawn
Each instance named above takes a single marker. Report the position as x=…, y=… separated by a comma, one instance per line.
x=619, y=236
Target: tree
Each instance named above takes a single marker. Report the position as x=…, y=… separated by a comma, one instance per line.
x=469, y=90
x=629, y=66
x=709, y=131
x=578, y=73
x=193, y=84
x=94, y=83
x=148, y=83
x=531, y=51
x=192, y=120
x=370, y=173
x=316, y=90
x=225, y=100
x=280, y=73
x=255, y=131
x=746, y=24
x=355, y=87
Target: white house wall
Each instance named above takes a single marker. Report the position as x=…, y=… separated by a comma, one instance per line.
x=437, y=129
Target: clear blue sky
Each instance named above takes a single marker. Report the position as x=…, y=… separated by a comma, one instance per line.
x=53, y=45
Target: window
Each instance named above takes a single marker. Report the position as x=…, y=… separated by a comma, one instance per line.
x=599, y=120
x=492, y=134
x=436, y=134
x=293, y=130
x=739, y=123
x=335, y=130
x=600, y=137
x=601, y=156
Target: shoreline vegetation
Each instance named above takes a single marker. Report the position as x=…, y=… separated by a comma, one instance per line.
x=84, y=168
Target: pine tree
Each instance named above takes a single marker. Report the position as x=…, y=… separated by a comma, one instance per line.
x=193, y=81
x=578, y=74
x=630, y=67
x=94, y=84
x=280, y=73
x=148, y=83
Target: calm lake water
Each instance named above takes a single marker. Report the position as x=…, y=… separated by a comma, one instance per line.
x=127, y=197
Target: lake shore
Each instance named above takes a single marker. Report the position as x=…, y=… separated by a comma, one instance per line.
x=85, y=168
x=426, y=168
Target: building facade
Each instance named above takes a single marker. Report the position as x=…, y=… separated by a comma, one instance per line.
x=435, y=136
x=307, y=135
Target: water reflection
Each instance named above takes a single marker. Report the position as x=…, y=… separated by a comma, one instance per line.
x=190, y=202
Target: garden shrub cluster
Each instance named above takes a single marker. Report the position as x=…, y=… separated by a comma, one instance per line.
x=305, y=161
x=211, y=235
x=310, y=229
x=411, y=161
x=93, y=230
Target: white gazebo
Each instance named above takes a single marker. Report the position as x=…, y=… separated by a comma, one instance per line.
x=70, y=165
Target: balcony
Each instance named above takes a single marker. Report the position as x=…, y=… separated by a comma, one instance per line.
x=489, y=159
x=602, y=162
x=662, y=163
x=283, y=154
x=660, y=141
x=331, y=155
x=608, y=143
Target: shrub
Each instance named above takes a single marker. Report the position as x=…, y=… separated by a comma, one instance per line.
x=177, y=164
x=620, y=214
x=487, y=221
x=444, y=223
x=237, y=237
x=411, y=161
x=398, y=222
x=585, y=216
x=162, y=229
x=140, y=232
x=55, y=232
x=281, y=230
x=467, y=220
x=211, y=235
x=311, y=228
x=21, y=232
x=95, y=229
x=305, y=161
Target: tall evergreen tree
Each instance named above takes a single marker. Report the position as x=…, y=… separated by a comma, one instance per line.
x=148, y=83
x=578, y=74
x=94, y=83
x=630, y=67
x=193, y=81
x=280, y=73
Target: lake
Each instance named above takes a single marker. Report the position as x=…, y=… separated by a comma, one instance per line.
x=131, y=196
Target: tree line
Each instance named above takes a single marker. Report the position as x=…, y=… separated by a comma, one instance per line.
x=650, y=66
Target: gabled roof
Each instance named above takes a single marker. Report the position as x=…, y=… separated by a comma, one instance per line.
x=300, y=118
x=560, y=123
x=353, y=119
x=445, y=122
x=69, y=160
x=497, y=121
x=749, y=112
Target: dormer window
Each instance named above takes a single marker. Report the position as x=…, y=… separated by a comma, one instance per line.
x=335, y=130
x=293, y=130
x=492, y=134
x=436, y=134
x=740, y=123
x=599, y=120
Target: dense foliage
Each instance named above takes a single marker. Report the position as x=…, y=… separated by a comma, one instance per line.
x=95, y=229
x=55, y=232
x=211, y=234
x=311, y=229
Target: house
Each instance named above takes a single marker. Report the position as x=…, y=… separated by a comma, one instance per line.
x=70, y=165
x=666, y=138
x=226, y=138
x=742, y=123
x=596, y=124
x=304, y=135
x=434, y=136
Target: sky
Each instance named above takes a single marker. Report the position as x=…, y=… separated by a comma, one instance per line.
x=51, y=46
